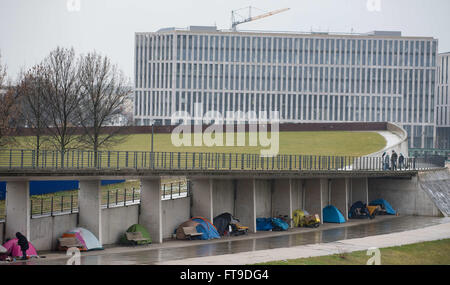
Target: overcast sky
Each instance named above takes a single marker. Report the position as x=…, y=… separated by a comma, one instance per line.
x=29, y=29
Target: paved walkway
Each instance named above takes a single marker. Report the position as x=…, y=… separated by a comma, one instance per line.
x=437, y=232
x=391, y=139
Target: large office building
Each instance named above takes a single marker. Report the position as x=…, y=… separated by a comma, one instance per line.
x=307, y=77
x=443, y=103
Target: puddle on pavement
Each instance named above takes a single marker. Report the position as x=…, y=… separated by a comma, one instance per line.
x=152, y=256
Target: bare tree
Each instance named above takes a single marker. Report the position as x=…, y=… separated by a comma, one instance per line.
x=31, y=90
x=8, y=108
x=61, y=98
x=104, y=91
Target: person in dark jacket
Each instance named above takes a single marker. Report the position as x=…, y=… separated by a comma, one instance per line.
x=401, y=161
x=394, y=157
x=23, y=243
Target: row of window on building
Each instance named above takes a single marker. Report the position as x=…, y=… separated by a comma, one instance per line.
x=291, y=107
x=288, y=78
x=289, y=49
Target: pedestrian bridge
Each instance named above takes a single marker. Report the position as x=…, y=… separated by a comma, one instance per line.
x=247, y=185
x=49, y=164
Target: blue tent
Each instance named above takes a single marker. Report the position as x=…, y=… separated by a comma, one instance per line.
x=332, y=215
x=264, y=224
x=207, y=228
x=384, y=205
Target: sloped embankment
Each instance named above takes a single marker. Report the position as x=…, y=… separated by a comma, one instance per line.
x=437, y=185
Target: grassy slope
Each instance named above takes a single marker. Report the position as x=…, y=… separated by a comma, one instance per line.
x=426, y=253
x=313, y=143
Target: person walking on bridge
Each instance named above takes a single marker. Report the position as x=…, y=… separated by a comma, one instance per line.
x=394, y=157
x=401, y=162
x=386, y=162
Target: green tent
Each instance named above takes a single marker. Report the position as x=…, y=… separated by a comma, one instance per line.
x=133, y=229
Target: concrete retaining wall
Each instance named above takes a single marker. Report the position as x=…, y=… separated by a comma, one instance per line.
x=313, y=197
x=358, y=191
x=404, y=195
x=297, y=194
x=223, y=197
x=45, y=231
x=437, y=186
x=263, y=198
x=245, y=203
x=116, y=220
x=174, y=212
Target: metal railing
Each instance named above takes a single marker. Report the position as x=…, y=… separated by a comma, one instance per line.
x=67, y=203
x=84, y=159
x=423, y=152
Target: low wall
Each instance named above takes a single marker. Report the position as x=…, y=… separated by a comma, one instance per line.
x=115, y=222
x=174, y=212
x=46, y=230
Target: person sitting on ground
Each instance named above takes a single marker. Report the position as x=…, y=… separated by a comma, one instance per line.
x=23, y=243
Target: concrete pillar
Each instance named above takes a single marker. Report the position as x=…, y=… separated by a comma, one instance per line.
x=89, y=203
x=246, y=203
x=17, y=209
x=282, y=198
x=339, y=194
x=202, y=198
x=150, y=215
x=313, y=197
x=359, y=190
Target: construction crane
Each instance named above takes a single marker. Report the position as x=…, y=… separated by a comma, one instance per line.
x=235, y=22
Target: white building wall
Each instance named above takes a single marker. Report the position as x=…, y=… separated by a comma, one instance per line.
x=381, y=77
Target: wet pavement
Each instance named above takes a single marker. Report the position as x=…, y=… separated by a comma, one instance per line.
x=152, y=256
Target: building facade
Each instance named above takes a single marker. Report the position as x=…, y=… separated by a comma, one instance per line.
x=307, y=77
x=443, y=103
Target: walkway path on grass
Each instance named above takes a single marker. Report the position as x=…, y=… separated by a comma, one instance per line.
x=437, y=232
x=391, y=138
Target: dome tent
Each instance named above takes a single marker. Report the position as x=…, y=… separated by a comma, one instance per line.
x=206, y=227
x=137, y=228
x=13, y=249
x=86, y=240
x=359, y=210
x=202, y=225
x=332, y=215
x=385, y=206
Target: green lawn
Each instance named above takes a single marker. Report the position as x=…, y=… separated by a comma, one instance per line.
x=426, y=253
x=311, y=143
